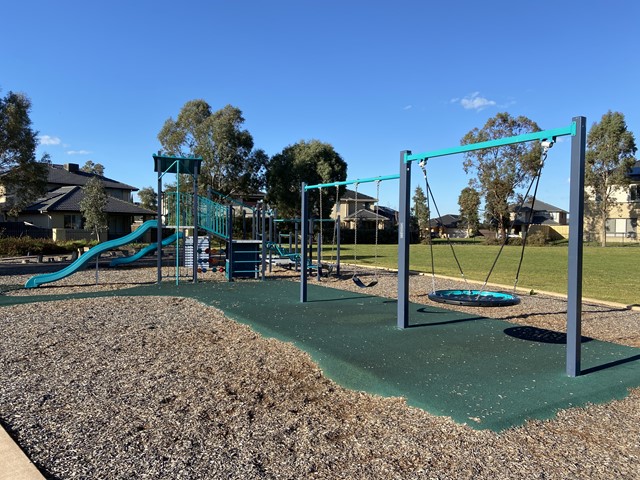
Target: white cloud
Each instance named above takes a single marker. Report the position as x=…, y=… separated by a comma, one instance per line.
x=408, y=107
x=78, y=152
x=49, y=140
x=476, y=102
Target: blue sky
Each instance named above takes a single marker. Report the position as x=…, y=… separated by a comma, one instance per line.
x=371, y=78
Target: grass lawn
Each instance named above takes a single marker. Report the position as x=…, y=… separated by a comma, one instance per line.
x=608, y=273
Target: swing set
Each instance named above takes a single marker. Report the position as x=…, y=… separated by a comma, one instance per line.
x=305, y=226
x=577, y=131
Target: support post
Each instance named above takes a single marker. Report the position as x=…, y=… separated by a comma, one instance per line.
x=319, y=258
x=264, y=239
x=159, y=226
x=576, y=229
x=404, y=237
x=295, y=227
x=230, y=243
x=304, y=243
x=337, y=227
x=195, y=227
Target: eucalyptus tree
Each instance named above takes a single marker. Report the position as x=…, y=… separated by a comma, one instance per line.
x=469, y=202
x=230, y=163
x=92, y=206
x=500, y=171
x=609, y=157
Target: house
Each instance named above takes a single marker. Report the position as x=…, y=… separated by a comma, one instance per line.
x=357, y=207
x=447, y=226
x=541, y=216
x=59, y=208
x=622, y=224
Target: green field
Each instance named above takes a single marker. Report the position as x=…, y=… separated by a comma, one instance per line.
x=608, y=273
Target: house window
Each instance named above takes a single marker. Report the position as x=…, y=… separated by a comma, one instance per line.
x=73, y=222
x=634, y=193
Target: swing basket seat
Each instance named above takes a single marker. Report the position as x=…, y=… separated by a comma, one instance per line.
x=361, y=284
x=474, y=298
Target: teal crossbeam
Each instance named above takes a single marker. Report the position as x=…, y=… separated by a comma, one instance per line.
x=352, y=182
x=527, y=137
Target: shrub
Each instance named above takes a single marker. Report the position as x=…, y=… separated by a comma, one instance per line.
x=19, y=246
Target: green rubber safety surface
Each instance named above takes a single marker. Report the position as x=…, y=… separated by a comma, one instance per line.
x=486, y=373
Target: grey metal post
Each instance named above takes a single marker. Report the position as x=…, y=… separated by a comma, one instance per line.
x=404, y=241
x=230, y=242
x=195, y=226
x=319, y=258
x=337, y=226
x=271, y=240
x=303, y=254
x=576, y=229
x=244, y=224
x=296, y=241
x=159, y=227
x=263, y=239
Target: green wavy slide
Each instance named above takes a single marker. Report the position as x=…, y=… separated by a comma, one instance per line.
x=38, y=280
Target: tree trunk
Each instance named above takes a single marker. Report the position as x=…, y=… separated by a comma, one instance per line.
x=603, y=228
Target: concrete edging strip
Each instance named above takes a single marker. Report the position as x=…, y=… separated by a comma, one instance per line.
x=14, y=464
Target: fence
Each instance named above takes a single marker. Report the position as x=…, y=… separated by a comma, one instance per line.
x=21, y=229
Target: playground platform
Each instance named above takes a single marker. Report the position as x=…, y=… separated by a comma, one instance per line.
x=486, y=373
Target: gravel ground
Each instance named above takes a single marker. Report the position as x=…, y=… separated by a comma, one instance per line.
x=157, y=387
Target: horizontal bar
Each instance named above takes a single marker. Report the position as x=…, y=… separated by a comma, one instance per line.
x=527, y=137
x=351, y=182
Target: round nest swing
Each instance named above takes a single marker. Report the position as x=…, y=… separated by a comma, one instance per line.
x=474, y=298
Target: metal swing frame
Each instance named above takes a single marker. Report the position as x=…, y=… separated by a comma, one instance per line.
x=577, y=131
x=305, y=216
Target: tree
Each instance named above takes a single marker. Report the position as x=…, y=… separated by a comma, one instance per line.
x=609, y=157
x=90, y=167
x=312, y=162
x=148, y=198
x=23, y=178
x=469, y=202
x=501, y=170
x=92, y=206
x=421, y=211
x=230, y=165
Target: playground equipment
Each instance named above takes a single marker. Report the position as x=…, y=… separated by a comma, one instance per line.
x=93, y=252
x=145, y=251
x=305, y=223
x=244, y=258
x=577, y=130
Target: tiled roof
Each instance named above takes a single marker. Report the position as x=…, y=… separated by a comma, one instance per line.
x=364, y=214
x=539, y=206
x=447, y=221
x=67, y=199
x=351, y=195
x=59, y=175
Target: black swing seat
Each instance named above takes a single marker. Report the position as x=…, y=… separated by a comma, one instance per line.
x=361, y=284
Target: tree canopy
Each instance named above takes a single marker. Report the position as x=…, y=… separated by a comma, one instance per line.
x=230, y=164
x=90, y=167
x=501, y=170
x=312, y=162
x=609, y=157
x=148, y=198
x=23, y=177
x=469, y=202
x=420, y=210
x=93, y=204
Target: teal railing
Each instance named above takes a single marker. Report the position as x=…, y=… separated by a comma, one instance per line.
x=212, y=216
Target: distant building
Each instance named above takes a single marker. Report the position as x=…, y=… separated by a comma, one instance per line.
x=59, y=208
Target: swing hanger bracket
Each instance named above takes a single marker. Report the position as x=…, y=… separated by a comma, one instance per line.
x=547, y=143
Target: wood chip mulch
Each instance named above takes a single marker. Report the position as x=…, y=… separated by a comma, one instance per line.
x=158, y=387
